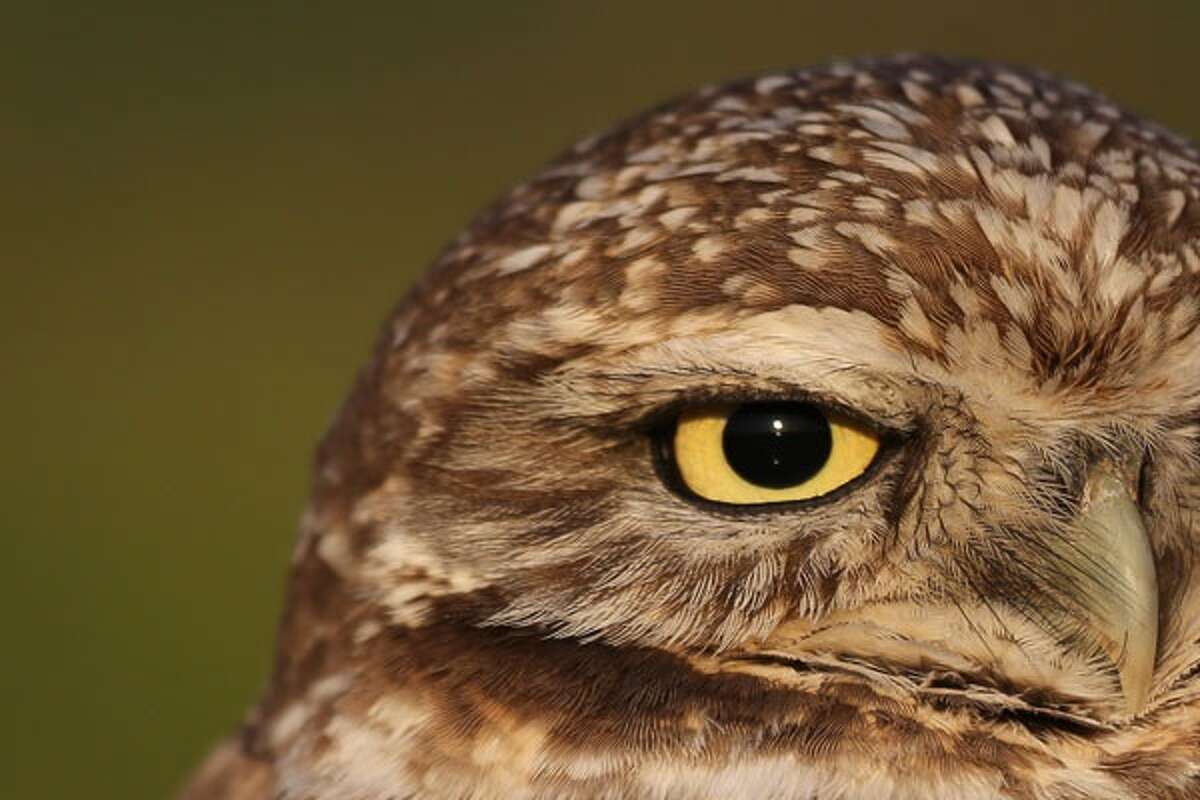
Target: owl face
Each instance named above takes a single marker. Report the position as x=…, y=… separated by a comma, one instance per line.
x=833, y=434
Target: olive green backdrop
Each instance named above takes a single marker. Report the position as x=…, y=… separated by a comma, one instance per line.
x=205, y=213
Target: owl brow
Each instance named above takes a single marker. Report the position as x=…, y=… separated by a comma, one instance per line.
x=649, y=394
x=637, y=373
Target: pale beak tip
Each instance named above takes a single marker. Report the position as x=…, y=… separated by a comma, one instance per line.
x=1137, y=672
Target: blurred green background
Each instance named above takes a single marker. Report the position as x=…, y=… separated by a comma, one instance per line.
x=207, y=211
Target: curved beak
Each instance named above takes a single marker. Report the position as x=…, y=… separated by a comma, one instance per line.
x=1124, y=610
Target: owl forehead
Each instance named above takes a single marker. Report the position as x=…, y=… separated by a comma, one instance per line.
x=969, y=210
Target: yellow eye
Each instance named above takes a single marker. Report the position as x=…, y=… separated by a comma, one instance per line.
x=769, y=452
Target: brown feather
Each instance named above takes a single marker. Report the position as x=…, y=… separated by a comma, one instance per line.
x=496, y=595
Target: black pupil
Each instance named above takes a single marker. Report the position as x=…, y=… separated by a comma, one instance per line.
x=777, y=445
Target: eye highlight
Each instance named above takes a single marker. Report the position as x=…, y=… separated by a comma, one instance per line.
x=769, y=452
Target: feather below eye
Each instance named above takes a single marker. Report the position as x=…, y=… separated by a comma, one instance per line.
x=769, y=452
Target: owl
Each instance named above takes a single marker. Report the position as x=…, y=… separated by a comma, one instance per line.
x=828, y=435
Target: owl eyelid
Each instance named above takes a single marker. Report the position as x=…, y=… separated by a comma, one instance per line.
x=668, y=412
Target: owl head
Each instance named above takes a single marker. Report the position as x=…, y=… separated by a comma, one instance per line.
x=833, y=434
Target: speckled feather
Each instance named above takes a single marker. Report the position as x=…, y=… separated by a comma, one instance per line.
x=496, y=595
